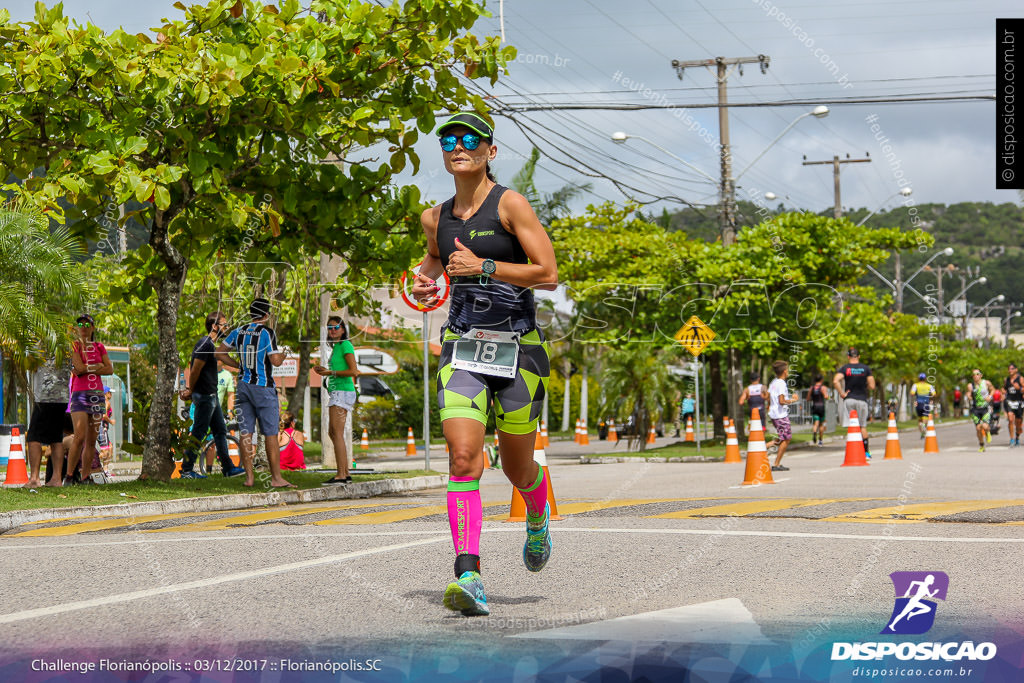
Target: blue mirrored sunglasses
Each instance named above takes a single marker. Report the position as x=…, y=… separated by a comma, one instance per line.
x=470, y=141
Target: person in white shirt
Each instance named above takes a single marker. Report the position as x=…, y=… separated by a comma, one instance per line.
x=779, y=398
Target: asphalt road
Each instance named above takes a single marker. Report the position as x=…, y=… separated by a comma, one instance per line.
x=672, y=559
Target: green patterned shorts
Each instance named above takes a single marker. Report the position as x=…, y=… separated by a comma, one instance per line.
x=517, y=401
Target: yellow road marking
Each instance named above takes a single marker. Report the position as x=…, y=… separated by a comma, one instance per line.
x=748, y=508
x=103, y=524
x=920, y=512
x=388, y=516
x=591, y=506
x=256, y=518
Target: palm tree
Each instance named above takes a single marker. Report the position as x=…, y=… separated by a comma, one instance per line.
x=639, y=374
x=39, y=284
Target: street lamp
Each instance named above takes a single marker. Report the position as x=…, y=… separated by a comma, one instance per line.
x=819, y=112
x=1006, y=332
x=963, y=327
x=620, y=138
x=999, y=298
x=897, y=285
x=906, y=192
x=980, y=281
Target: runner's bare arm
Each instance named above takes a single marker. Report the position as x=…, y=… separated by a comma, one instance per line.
x=424, y=289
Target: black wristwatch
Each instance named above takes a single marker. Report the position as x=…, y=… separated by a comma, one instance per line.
x=487, y=268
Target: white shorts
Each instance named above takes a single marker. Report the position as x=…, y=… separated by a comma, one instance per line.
x=342, y=399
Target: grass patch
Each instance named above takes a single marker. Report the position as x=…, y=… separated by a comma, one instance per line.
x=138, y=491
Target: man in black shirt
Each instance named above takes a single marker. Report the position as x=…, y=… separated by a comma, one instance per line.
x=201, y=387
x=1014, y=389
x=858, y=382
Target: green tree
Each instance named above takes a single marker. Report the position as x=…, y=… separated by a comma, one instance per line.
x=39, y=287
x=220, y=123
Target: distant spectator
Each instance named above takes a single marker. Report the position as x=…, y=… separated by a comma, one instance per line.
x=256, y=400
x=687, y=410
x=50, y=388
x=103, y=441
x=90, y=362
x=201, y=388
x=292, y=455
x=225, y=390
x=341, y=372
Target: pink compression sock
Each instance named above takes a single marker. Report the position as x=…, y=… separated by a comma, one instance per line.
x=536, y=497
x=465, y=514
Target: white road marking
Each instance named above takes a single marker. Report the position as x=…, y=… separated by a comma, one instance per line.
x=718, y=621
x=203, y=583
x=500, y=527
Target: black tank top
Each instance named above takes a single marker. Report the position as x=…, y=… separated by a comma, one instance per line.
x=495, y=305
x=817, y=397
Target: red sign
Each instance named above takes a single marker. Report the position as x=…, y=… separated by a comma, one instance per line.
x=405, y=287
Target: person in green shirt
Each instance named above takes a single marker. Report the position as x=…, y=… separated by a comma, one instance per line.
x=340, y=372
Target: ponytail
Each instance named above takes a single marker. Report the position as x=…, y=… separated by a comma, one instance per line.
x=490, y=175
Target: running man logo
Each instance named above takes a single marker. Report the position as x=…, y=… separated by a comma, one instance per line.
x=695, y=335
x=914, y=611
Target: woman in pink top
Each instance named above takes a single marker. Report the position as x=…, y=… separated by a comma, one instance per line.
x=90, y=362
x=292, y=455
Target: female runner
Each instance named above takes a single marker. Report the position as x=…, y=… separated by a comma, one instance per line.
x=494, y=249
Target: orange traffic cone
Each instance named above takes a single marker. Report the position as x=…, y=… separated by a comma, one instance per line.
x=652, y=435
x=543, y=433
x=931, y=441
x=577, y=437
x=17, y=475
x=236, y=457
x=758, y=471
x=176, y=474
x=892, y=441
x=689, y=430
x=584, y=437
x=613, y=434
x=732, y=443
x=517, y=508
x=854, y=444
x=410, y=444
x=364, y=443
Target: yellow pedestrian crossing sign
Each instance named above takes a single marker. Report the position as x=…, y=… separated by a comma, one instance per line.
x=695, y=335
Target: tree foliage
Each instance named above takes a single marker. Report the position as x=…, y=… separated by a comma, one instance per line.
x=221, y=122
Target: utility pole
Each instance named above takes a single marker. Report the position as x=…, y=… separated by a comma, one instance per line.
x=836, y=162
x=727, y=190
x=727, y=196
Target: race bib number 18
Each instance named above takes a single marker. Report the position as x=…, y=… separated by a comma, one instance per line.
x=487, y=353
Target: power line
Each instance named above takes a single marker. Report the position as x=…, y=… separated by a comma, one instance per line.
x=714, y=105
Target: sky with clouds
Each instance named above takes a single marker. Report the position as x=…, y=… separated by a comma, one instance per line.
x=605, y=52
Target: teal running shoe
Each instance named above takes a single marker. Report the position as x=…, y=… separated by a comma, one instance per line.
x=467, y=596
x=537, y=549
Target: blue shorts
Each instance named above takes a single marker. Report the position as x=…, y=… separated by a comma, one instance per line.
x=252, y=404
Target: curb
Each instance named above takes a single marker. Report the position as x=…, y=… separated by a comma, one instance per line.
x=608, y=460
x=604, y=460
x=236, y=501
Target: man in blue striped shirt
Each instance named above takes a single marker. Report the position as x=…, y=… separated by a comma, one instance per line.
x=256, y=398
